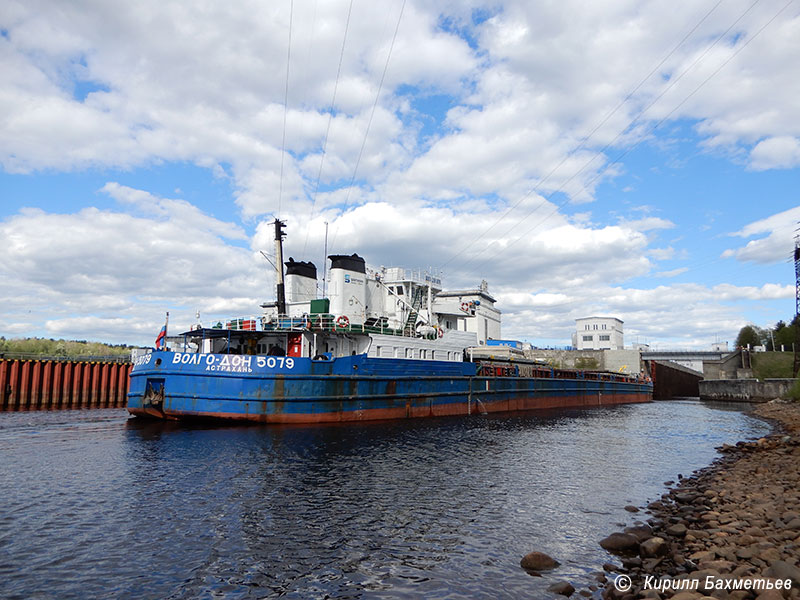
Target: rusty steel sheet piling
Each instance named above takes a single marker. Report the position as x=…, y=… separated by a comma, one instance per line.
x=54, y=384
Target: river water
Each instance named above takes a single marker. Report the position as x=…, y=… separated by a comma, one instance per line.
x=93, y=504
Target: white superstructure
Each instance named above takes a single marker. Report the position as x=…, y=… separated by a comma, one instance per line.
x=406, y=313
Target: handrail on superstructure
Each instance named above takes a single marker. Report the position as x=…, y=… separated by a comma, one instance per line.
x=322, y=322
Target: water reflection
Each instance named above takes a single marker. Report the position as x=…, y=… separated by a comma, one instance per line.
x=433, y=508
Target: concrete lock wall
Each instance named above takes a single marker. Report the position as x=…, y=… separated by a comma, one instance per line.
x=745, y=390
x=731, y=366
x=622, y=361
x=46, y=384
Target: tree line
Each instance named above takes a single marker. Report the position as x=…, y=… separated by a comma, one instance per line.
x=52, y=347
x=782, y=336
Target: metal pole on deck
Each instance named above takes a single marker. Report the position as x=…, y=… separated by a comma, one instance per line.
x=281, y=292
x=325, y=261
x=796, y=320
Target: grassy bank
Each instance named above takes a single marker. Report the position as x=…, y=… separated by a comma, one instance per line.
x=771, y=365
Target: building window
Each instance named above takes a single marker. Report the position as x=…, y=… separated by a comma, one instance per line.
x=604, y=325
x=595, y=325
x=587, y=338
x=605, y=338
x=587, y=326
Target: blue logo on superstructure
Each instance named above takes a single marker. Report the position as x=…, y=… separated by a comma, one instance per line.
x=347, y=278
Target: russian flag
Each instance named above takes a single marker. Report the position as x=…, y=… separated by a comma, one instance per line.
x=161, y=336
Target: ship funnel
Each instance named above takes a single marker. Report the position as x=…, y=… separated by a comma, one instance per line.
x=348, y=289
x=301, y=281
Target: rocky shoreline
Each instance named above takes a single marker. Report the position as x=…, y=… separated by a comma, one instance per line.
x=731, y=531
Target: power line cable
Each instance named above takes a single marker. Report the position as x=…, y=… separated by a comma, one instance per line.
x=285, y=103
x=328, y=128
x=636, y=145
x=585, y=140
x=369, y=122
x=672, y=83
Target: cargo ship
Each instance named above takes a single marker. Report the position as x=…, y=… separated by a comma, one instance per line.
x=387, y=343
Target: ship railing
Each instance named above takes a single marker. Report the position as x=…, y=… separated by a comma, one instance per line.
x=326, y=322
x=488, y=369
x=417, y=276
x=317, y=322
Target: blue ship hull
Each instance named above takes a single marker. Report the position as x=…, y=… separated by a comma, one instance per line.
x=278, y=389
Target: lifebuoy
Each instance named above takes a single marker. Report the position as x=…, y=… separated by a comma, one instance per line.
x=440, y=332
x=465, y=307
x=342, y=321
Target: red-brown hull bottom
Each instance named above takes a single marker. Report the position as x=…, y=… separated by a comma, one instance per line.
x=408, y=411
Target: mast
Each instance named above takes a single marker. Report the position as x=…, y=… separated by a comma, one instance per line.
x=325, y=260
x=796, y=321
x=279, y=235
x=430, y=300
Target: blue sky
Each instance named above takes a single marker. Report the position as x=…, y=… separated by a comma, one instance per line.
x=637, y=160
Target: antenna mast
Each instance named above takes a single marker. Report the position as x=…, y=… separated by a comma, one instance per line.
x=279, y=235
x=796, y=366
x=325, y=261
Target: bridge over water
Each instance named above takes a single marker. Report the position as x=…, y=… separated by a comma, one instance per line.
x=693, y=359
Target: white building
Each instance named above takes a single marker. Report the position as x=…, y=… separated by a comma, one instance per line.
x=598, y=333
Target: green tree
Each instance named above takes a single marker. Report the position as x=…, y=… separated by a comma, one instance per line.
x=748, y=335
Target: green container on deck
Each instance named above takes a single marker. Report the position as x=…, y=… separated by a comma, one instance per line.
x=320, y=307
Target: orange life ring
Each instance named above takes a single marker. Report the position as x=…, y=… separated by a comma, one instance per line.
x=342, y=321
x=440, y=333
x=465, y=307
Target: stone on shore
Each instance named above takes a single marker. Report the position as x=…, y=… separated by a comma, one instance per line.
x=538, y=561
x=621, y=543
x=780, y=569
x=677, y=530
x=562, y=588
x=654, y=547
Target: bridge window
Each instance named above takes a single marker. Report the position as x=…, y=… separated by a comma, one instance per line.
x=587, y=338
x=605, y=338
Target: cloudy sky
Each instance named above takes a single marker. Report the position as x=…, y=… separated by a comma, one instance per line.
x=637, y=159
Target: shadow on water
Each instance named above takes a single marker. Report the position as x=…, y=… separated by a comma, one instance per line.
x=432, y=507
